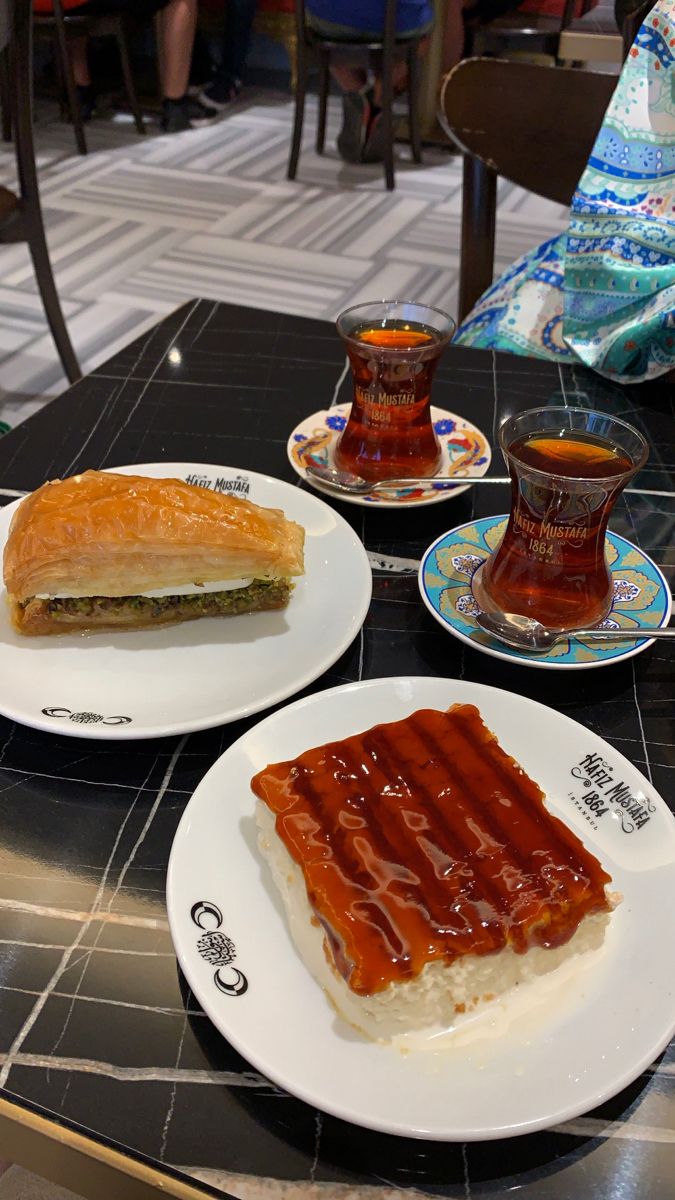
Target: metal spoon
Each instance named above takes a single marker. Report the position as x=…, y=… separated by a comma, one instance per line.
x=356, y=485
x=525, y=634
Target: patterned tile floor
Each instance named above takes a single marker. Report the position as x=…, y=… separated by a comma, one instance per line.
x=142, y=224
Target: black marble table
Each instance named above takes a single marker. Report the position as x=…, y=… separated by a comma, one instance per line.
x=94, y=1029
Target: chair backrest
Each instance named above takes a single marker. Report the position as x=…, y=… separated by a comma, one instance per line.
x=534, y=125
x=629, y=15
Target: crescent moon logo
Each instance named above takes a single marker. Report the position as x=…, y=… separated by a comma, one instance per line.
x=237, y=988
x=202, y=909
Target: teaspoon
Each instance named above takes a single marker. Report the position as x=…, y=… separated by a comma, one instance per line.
x=523, y=633
x=351, y=484
x=356, y=485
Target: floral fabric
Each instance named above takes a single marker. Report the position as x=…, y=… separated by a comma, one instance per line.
x=604, y=292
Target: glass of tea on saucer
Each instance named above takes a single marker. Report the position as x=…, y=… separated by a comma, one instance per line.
x=568, y=467
x=393, y=348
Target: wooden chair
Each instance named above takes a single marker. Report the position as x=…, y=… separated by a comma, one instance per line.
x=62, y=25
x=518, y=31
x=21, y=214
x=5, y=103
x=629, y=15
x=605, y=34
x=313, y=47
x=534, y=125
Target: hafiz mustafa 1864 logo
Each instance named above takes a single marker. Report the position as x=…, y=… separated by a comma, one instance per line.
x=602, y=792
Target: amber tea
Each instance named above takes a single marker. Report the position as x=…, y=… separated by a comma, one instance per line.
x=393, y=358
x=551, y=562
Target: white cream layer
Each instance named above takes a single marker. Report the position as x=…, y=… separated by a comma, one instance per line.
x=181, y=589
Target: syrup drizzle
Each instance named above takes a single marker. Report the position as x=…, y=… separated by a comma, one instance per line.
x=422, y=840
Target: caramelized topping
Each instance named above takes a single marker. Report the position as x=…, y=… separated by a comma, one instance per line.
x=422, y=840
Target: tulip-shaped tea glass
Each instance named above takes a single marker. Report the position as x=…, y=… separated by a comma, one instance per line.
x=567, y=466
x=393, y=349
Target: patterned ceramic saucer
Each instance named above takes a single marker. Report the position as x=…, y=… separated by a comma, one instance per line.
x=641, y=597
x=465, y=451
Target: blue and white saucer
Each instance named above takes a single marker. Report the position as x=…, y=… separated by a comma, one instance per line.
x=641, y=597
x=465, y=452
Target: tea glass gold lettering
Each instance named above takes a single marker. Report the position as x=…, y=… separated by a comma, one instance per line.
x=568, y=467
x=393, y=350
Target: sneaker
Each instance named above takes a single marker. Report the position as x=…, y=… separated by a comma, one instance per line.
x=373, y=150
x=355, y=120
x=86, y=100
x=174, y=117
x=200, y=113
x=186, y=113
x=220, y=93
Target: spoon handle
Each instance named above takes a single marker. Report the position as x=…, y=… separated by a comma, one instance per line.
x=431, y=480
x=614, y=635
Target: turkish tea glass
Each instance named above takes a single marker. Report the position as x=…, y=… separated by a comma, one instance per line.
x=568, y=467
x=393, y=349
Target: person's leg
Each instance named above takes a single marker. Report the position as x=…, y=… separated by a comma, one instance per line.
x=454, y=34
x=177, y=25
x=373, y=149
x=230, y=54
x=84, y=88
x=80, y=61
x=237, y=39
x=349, y=78
x=353, y=80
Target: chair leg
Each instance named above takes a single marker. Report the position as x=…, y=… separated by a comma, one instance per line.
x=66, y=72
x=479, y=211
x=324, y=85
x=45, y=279
x=300, y=94
x=121, y=37
x=413, y=102
x=388, y=118
x=5, y=96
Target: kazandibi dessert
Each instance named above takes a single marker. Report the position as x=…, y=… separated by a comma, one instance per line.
x=421, y=872
x=107, y=551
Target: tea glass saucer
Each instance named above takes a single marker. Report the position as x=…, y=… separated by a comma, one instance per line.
x=465, y=451
x=641, y=597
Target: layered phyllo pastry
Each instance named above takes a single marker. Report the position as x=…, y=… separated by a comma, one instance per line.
x=102, y=550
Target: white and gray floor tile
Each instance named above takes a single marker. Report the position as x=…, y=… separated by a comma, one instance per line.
x=140, y=225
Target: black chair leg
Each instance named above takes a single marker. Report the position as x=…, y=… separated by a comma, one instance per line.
x=387, y=118
x=413, y=102
x=479, y=211
x=300, y=93
x=66, y=73
x=32, y=228
x=5, y=96
x=324, y=85
x=121, y=37
x=50, y=299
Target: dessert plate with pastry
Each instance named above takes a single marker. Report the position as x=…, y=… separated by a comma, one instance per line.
x=169, y=597
x=430, y=907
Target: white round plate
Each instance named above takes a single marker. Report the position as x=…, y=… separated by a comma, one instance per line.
x=593, y=1033
x=641, y=596
x=465, y=451
x=195, y=675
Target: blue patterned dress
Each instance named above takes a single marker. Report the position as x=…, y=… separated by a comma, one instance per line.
x=604, y=292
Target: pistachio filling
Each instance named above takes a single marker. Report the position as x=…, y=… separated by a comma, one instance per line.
x=261, y=593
